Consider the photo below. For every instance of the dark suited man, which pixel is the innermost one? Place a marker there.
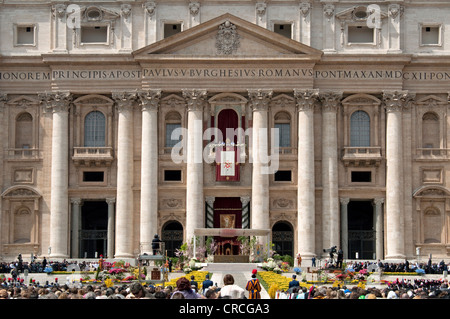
(340, 258)
(294, 282)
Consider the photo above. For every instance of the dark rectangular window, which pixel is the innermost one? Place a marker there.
(283, 29)
(283, 176)
(94, 34)
(361, 177)
(171, 29)
(93, 176)
(172, 175)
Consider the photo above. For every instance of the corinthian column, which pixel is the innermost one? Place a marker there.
(330, 200)
(259, 101)
(195, 100)
(149, 168)
(306, 100)
(395, 102)
(124, 199)
(58, 103)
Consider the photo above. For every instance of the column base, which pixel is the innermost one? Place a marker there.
(395, 258)
(124, 256)
(58, 256)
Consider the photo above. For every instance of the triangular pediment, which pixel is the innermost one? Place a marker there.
(226, 37)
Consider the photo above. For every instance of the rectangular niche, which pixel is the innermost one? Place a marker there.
(432, 176)
(23, 176)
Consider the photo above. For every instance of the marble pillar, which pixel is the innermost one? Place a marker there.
(76, 217)
(259, 101)
(379, 238)
(125, 164)
(395, 102)
(149, 168)
(344, 226)
(330, 200)
(306, 224)
(111, 230)
(59, 103)
(195, 212)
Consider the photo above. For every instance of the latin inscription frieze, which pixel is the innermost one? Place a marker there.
(223, 73)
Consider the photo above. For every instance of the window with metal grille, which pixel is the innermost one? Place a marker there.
(170, 127)
(359, 129)
(284, 131)
(94, 129)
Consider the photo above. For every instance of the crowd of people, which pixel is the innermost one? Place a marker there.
(429, 267)
(184, 289)
(43, 265)
(417, 288)
(399, 289)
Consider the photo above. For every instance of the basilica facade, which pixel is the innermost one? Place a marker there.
(308, 123)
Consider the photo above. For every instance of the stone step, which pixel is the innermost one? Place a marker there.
(231, 267)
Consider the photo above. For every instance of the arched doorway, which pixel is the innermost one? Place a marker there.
(172, 236)
(283, 238)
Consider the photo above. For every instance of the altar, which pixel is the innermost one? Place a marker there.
(228, 247)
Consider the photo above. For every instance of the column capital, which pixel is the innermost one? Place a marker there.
(328, 10)
(395, 10)
(397, 100)
(76, 201)
(378, 201)
(259, 99)
(305, 8)
(245, 200)
(110, 201)
(58, 101)
(210, 200)
(149, 7)
(344, 200)
(124, 99)
(149, 99)
(306, 98)
(330, 100)
(195, 99)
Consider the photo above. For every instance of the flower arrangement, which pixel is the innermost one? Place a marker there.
(297, 270)
(285, 266)
(191, 266)
(199, 277)
(420, 271)
(269, 265)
